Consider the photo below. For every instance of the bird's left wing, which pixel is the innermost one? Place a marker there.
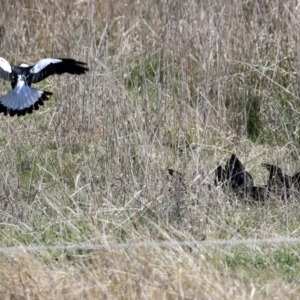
(5, 70)
(51, 66)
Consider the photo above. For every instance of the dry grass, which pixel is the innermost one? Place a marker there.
(171, 85)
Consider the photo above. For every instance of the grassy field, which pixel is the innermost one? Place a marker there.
(172, 84)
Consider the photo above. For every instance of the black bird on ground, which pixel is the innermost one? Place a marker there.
(277, 177)
(23, 99)
(239, 180)
(280, 182)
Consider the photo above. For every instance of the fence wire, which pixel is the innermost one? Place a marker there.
(149, 244)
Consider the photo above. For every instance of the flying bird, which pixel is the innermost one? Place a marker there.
(23, 99)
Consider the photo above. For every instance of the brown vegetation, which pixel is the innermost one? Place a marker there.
(172, 85)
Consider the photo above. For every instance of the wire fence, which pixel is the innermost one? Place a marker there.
(169, 244)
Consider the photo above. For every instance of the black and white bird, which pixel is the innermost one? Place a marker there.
(23, 99)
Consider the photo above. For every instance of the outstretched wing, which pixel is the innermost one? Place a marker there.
(5, 70)
(51, 66)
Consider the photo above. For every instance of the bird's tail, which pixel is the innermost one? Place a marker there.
(22, 100)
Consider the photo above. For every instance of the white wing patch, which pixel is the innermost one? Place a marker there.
(21, 97)
(5, 65)
(40, 65)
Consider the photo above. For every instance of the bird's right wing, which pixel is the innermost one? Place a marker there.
(5, 70)
(51, 66)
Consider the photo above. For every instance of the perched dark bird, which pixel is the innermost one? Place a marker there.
(22, 98)
(276, 176)
(237, 175)
(278, 181)
(239, 180)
